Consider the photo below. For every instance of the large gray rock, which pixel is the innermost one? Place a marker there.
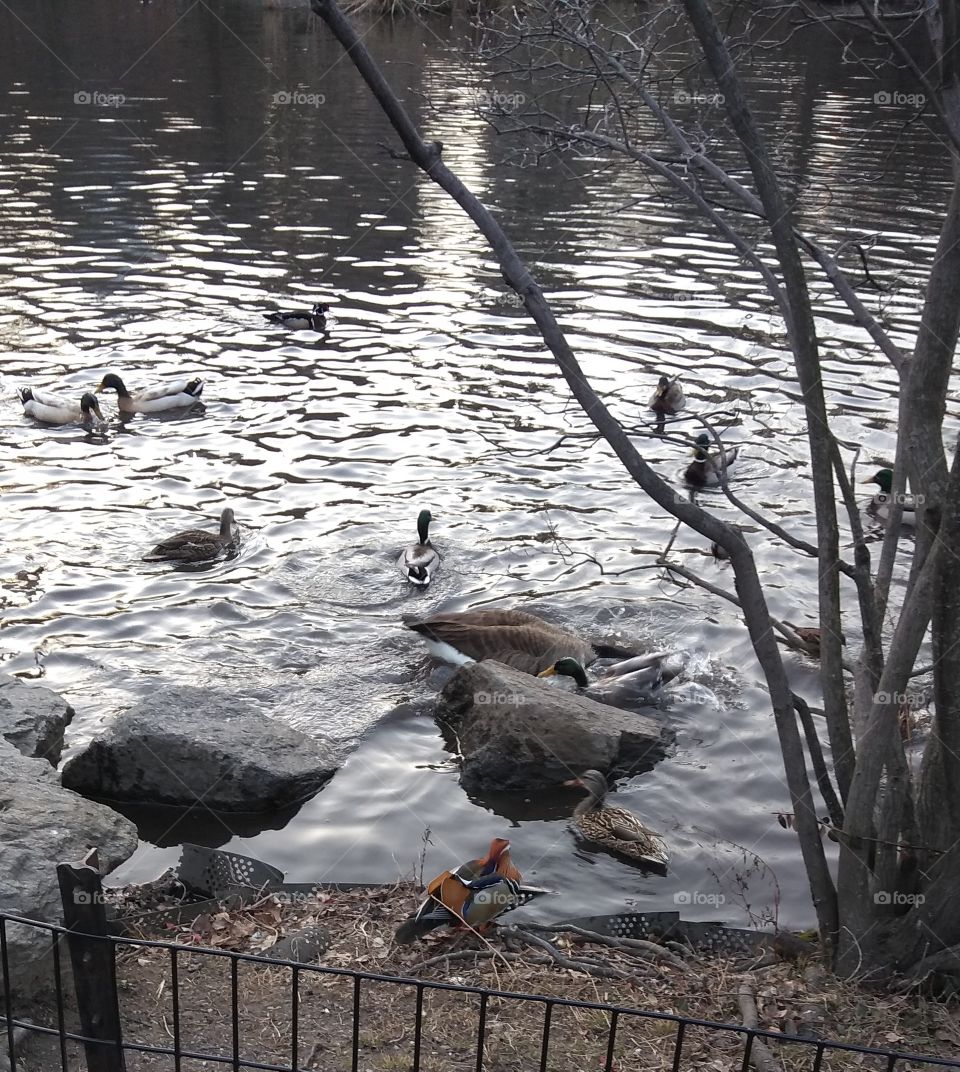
(41, 825)
(33, 718)
(191, 746)
(517, 732)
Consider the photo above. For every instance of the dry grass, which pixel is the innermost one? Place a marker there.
(362, 924)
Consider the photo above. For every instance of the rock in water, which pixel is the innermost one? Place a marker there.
(517, 732)
(33, 718)
(190, 744)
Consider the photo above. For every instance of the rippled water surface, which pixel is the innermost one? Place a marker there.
(147, 236)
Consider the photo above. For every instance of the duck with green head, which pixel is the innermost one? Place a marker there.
(419, 561)
(174, 394)
(623, 684)
(51, 408)
(707, 469)
(883, 501)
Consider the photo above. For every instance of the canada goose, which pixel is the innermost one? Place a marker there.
(514, 637)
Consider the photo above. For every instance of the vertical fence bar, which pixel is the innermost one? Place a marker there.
(611, 1041)
(58, 988)
(7, 987)
(294, 1018)
(747, 1050)
(93, 957)
(481, 1030)
(545, 1045)
(818, 1060)
(891, 1063)
(418, 1029)
(355, 1063)
(678, 1046)
(235, 1006)
(175, 987)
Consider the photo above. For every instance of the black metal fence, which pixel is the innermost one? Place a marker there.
(203, 1012)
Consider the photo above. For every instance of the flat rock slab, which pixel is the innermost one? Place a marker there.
(41, 825)
(33, 718)
(189, 746)
(516, 732)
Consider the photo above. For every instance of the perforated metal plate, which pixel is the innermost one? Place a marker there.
(215, 873)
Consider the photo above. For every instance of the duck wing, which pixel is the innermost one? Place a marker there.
(192, 544)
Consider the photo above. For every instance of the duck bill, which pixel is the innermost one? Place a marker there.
(551, 671)
(96, 409)
(99, 389)
(574, 783)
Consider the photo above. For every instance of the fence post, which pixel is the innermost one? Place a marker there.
(94, 966)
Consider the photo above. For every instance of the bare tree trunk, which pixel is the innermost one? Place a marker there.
(803, 341)
(428, 157)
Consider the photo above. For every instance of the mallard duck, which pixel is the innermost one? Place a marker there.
(56, 409)
(668, 398)
(197, 545)
(615, 829)
(520, 640)
(477, 892)
(176, 394)
(418, 561)
(883, 501)
(623, 684)
(707, 468)
(300, 319)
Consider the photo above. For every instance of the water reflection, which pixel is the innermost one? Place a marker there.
(149, 236)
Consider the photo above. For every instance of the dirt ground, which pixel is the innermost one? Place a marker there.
(317, 1011)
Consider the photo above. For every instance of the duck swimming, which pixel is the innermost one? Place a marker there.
(668, 398)
(175, 394)
(706, 468)
(624, 684)
(300, 319)
(513, 637)
(51, 408)
(197, 545)
(883, 501)
(615, 829)
(419, 561)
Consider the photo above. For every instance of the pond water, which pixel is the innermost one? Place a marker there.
(159, 196)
